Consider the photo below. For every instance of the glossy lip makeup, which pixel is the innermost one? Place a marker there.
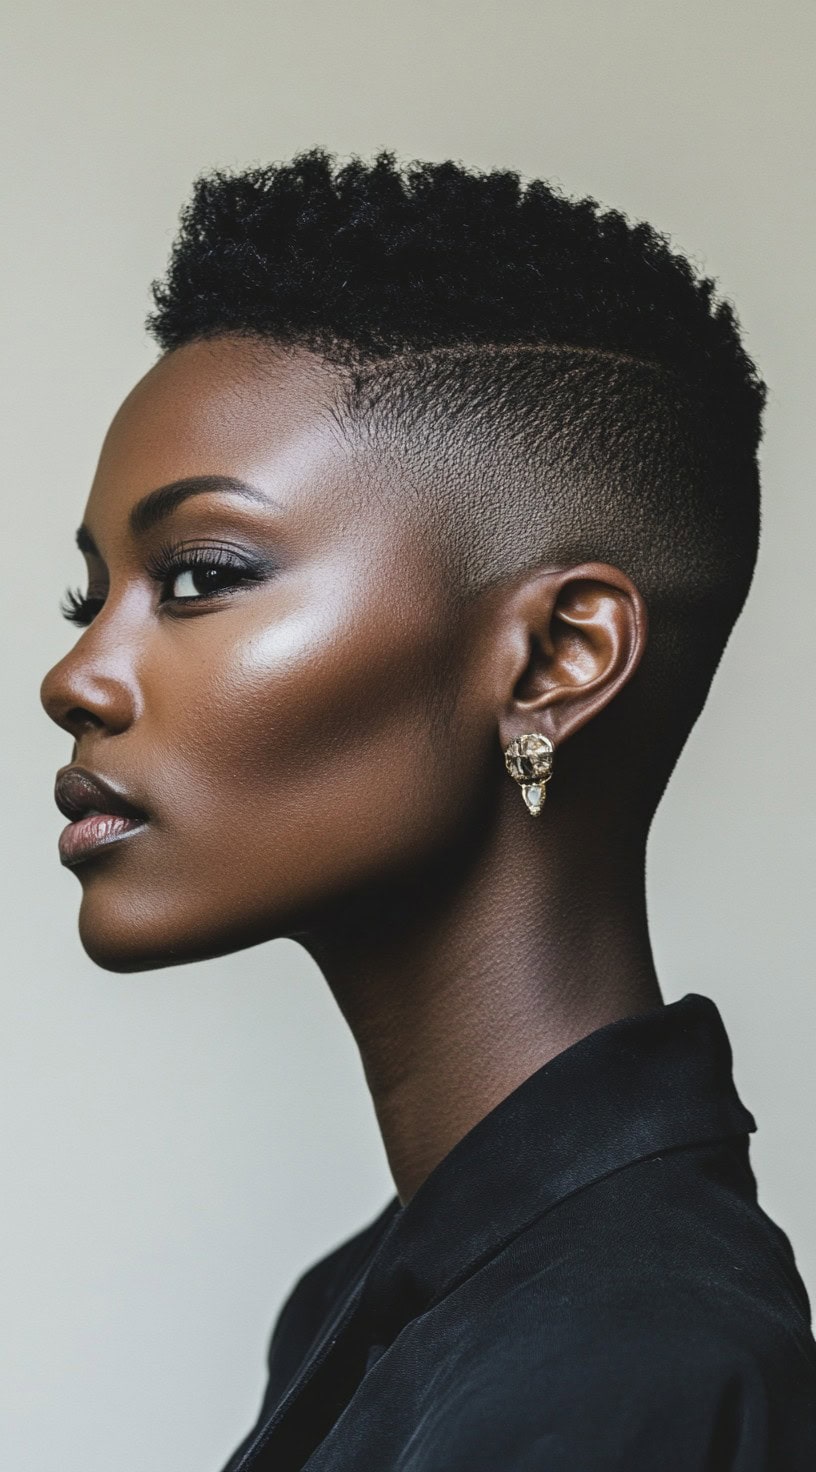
(93, 832)
(100, 815)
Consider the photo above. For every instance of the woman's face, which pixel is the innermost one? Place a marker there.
(283, 734)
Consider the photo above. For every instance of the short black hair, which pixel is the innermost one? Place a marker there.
(560, 380)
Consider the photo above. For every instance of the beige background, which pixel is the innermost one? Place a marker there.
(177, 1146)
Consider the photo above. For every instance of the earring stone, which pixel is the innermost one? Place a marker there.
(529, 760)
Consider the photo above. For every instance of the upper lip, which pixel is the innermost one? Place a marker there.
(78, 791)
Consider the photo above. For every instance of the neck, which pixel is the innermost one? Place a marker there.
(454, 1001)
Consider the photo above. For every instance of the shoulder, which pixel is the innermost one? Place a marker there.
(684, 1396)
(608, 1339)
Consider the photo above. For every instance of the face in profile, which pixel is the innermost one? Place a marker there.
(265, 671)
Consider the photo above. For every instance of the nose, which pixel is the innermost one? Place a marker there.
(84, 692)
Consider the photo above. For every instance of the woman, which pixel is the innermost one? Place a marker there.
(410, 563)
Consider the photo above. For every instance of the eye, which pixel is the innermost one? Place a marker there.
(185, 575)
(202, 579)
(195, 574)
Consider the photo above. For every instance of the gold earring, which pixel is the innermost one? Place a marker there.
(529, 760)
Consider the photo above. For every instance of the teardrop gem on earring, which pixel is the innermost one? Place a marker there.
(534, 797)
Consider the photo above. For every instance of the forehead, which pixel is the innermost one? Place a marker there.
(224, 406)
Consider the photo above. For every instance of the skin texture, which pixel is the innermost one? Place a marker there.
(320, 753)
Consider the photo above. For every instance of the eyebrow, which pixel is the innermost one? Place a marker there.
(161, 503)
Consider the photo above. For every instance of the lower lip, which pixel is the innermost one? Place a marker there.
(87, 836)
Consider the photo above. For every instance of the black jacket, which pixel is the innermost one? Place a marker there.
(585, 1282)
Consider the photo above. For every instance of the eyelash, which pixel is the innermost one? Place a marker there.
(164, 566)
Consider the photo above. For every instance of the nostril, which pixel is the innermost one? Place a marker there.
(59, 702)
(81, 696)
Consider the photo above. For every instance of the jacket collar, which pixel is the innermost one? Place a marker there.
(638, 1086)
(644, 1084)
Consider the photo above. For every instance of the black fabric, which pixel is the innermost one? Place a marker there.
(585, 1282)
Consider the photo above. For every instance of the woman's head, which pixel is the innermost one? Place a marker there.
(421, 451)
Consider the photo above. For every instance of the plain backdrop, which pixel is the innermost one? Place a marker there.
(178, 1146)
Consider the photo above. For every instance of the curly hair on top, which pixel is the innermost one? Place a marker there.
(534, 378)
(377, 259)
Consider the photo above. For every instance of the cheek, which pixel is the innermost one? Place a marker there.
(301, 754)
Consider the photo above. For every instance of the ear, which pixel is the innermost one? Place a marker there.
(574, 637)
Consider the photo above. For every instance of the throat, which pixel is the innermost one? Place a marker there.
(453, 1014)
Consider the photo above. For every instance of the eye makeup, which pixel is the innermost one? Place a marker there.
(217, 568)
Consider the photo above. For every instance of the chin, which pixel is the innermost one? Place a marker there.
(129, 948)
(125, 930)
(121, 934)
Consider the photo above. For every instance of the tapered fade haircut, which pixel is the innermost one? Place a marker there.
(539, 380)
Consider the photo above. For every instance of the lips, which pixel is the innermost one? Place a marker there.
(78, 793)
(100, 816)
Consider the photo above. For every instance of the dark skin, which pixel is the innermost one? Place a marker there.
(320, 750)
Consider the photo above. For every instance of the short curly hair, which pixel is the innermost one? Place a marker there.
(553, 381)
